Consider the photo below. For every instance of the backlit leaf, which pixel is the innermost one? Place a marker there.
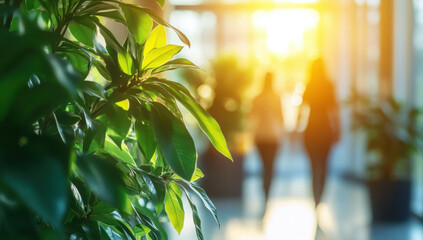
(159, 56)
(174, 207)
(122, 154)
(156, 39)
(84, 31)
(206, 122)
(123, 104)
(139, 23)
(125, 63)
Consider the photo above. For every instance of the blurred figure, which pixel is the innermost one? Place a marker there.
(266, 119)
(323, 125)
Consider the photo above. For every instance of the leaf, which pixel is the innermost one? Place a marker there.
(156, 39)
(115, 15)
(94, 7)
(117, 121)
(160, 21)
(159, 56)
(175, 64)
(145, 138)
(139, 23)
(195, 217)
(206, 200)
(84, 31)
(174, 207)
(123, 104)
(174, 141)
(77, 199)
(160, 188)
(198, 174)
(122, 154)
(108, 36)
(153, 220)
(94, 89)
(206, 122)
(94, 137)
(103, 178)
(36, 172)
(59, 129)
(125, 63)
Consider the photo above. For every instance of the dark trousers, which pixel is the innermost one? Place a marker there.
(318, 153)
(267, 152)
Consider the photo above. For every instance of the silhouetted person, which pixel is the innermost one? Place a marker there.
(323, 125)
(266, 116)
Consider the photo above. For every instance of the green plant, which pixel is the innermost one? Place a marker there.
(230, 82)
(93, 142)
(392, 135)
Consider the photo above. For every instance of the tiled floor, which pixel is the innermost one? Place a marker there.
(343, 215)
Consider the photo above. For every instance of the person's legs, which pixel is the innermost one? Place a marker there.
(267, 152)
(318, 159)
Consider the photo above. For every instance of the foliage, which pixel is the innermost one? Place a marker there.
(93, 141)
(230, 83)
(392, 135)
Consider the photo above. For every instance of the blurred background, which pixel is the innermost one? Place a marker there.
(373, 54)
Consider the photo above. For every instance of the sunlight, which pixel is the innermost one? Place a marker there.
(286, 29)
(290, 219)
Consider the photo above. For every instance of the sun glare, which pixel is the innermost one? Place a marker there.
(290, 219)
(286, 30)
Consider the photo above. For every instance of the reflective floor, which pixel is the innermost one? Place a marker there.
(344, 213)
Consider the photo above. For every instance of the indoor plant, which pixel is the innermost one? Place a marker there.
(93, 142)
(391, 136)
(230, 81)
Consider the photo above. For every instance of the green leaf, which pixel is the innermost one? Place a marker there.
(160, 188)
(174, 141)
(198, 174)
(156, 39)
(206, 200)
(115, 15)
(108, 36)
(94, 137)
(126, 63)
(37, 172)
(160, 21)
(59, 129)
(123, 104)
(174, 207)
(152, 221)
(206, 122)
(94, 89)
(84, 31)
(117, 121)
(122, 154)
(175, 64)
(104, 179)
(78, 202)
(159, 56)
(195, 217)
(139, 23)
(145, 138)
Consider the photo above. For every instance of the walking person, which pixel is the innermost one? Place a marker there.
(266, 118)
(323, 128)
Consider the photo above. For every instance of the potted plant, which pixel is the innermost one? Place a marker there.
(391, 135)
(93, 142)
